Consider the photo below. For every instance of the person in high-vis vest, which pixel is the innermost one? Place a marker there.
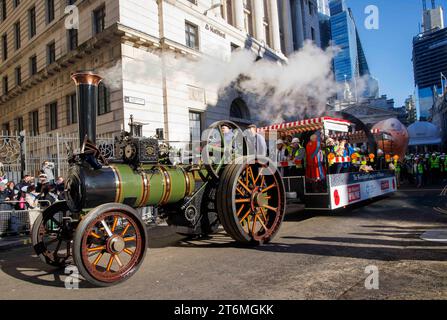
(420, 170)
(435, 168)
(298, 156)
(397, 170)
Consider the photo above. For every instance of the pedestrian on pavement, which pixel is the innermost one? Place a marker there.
(47, 168)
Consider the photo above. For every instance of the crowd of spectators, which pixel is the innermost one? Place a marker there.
(31, 192)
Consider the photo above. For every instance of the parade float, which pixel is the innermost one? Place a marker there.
(323, 185)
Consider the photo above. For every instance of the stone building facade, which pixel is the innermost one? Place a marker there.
(131, 43)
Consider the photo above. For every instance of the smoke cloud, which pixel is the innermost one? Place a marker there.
(299, 88)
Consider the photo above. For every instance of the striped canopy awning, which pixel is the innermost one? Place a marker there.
(304, 125)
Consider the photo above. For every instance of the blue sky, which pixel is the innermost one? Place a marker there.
(389, 49)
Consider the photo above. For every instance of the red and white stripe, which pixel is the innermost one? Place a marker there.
(303, 125)
(342, 159)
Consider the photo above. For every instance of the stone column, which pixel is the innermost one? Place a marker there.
(287, 26)
(274, 25)
(258, 13)
(238, 13)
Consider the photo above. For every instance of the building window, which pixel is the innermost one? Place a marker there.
(16, 3)
(51, 52)
(18, 124)
(227, 11)
(33, 65)
(50, 10)
(5, 128)
(72, 109)
(32, 22)
(312, 32)
(99, 20)
(192, 35)
(5, 46)
(72, 39)
(17, 37)
(5, 85)
(52, 116)
(3, 10)
(248, 17)
(34, 122)
(18, 74)
(103, 99)
(138, 130)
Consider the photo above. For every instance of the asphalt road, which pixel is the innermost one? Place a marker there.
(313, 257)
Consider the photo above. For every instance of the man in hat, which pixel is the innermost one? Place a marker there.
(256, 142)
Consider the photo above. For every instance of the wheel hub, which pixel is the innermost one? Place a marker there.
(258, 199)
(116, 245)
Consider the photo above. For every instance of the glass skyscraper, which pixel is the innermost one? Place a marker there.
(429, 63)
(350, 64)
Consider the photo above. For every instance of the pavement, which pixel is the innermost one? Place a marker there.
(371, 251)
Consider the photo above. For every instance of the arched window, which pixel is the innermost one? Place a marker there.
(239, 109)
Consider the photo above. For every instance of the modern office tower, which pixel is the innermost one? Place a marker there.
(350, 65)
(430, 61)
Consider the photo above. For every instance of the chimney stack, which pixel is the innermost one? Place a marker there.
(87, 84)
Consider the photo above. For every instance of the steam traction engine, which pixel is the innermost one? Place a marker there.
(97, 226)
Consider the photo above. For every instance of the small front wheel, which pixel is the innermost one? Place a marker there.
(110, 244)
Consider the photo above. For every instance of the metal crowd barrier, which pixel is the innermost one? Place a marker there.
(15, 222)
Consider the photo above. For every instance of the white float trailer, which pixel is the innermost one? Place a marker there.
(339, 190)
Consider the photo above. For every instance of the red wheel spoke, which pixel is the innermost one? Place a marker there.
(95, 263)
(254, 225)
(246, 215)
(240, 210)
(262, 223)
(94, 249)
(95, 235)
(268, 188)
(240, 192)
(128, 239)
(244, 186)
(125, 229)
(128, 251)
(109, 265)
(243, 201)
(119, 261)
(271, 208)
(115, 222)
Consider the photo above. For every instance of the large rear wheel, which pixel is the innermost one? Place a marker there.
(110, 244)
(251, 201)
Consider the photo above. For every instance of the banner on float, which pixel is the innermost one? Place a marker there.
(350, 188)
